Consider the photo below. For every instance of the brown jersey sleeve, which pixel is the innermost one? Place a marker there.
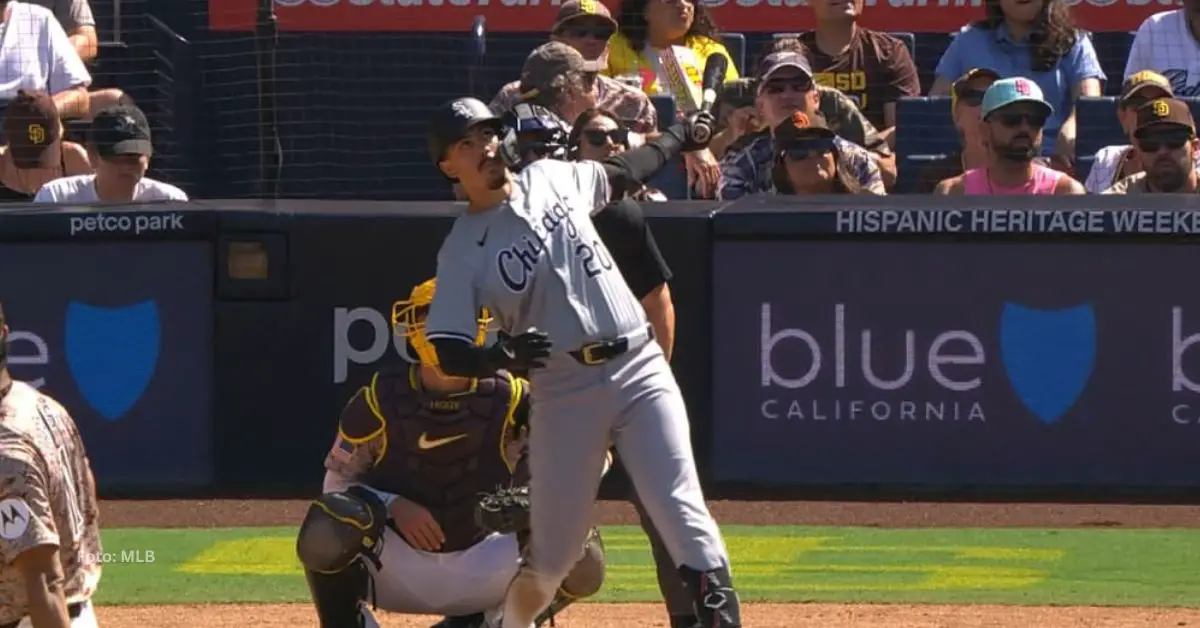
(26, 514)
(361, 440)
(899, 71)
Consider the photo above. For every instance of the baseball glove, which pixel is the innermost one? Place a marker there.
(504, 510)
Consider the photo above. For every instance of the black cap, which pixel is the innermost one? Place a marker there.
(451, 122)
(121, 130)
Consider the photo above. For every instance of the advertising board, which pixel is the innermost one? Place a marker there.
(737, 16)
(971, 363)
(121, 334)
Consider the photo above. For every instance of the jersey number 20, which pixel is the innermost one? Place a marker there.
(595, 258)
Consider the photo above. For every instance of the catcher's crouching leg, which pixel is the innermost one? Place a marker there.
(338, 533)
(584, 580)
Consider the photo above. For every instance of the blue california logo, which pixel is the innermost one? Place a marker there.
(1048, 356)
(112, 353)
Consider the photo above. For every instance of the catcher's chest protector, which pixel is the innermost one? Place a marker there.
(443, 452)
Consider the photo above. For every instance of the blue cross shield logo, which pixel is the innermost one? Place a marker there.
(1048, 356)
(112, 354)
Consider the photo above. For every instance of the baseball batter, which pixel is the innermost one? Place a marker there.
(526, 249)
(414, 451)
(49, 520)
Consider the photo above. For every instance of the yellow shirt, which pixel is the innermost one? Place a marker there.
(624, 61)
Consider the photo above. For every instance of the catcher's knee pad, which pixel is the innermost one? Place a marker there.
(339, 596)
(716, 602)
(340, 529)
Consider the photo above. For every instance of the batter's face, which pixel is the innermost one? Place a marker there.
(475, 160)
(786, 91)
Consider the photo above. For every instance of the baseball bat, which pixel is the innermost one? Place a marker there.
(714, 76)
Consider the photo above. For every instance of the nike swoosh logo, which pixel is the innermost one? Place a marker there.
(425, 443)
(483, 240)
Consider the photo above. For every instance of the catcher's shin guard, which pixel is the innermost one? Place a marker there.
(338, 596)
(584, 580)
(716, 601)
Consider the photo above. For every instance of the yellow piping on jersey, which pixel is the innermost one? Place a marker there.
(414, 381)
(372, 399)
(510, 418)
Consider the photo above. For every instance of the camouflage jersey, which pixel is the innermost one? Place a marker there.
(630, 105)
(47, 497)
(746, 164)
(438, 451)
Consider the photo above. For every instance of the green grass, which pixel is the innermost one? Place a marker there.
(957, 566)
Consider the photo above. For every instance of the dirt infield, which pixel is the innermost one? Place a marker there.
(210, 513)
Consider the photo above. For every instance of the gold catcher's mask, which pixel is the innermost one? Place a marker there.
(408, 320)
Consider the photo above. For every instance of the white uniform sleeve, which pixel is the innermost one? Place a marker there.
(454, 312)
(593, 184)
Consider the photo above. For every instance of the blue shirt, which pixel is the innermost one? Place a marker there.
(996, 50)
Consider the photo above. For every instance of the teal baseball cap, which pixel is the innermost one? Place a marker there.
(1005, 92)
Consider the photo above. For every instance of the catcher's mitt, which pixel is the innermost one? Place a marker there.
(505, 510)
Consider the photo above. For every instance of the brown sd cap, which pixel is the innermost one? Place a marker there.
(33, 131)
(1141, 80)
(581, 9)
(1164, 112)
(548, 62)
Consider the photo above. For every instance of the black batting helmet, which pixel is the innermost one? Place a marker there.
(451, 122)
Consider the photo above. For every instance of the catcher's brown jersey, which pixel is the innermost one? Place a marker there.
(47, 497)
(438, 451)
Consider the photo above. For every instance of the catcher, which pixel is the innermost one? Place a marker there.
(425, 504)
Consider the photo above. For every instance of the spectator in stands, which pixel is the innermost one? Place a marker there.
(35, 54)
(75, 16)
(1035, 39)
(1165, 137)
(1014, 113)
(784, 85)
(35, 152)
(120, 146)
(586, 26)
(1113, 163)
(558, 78)
(872, 68)
(811, 159)
(966, 95)
(664, 44)
(597, 135)
(1169, 43)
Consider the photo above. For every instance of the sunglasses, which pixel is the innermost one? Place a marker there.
(598, 137)
(781, 86)
(799, 151)
(1013, 120)
(1154, 143)
(601, 32)
(971, 98)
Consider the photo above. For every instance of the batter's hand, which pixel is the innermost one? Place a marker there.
(416, 525)
(524, 351)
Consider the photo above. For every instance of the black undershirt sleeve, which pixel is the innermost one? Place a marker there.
(623, 228)
(633, 168)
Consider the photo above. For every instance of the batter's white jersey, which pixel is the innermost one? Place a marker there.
(536, 261)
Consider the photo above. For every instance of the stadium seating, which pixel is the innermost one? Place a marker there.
(1113, 50)
(1096, 125)
(930, 138)
(672, 180)
(735, 43)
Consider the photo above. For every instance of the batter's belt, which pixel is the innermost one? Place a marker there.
(73, 611)
(597, 353)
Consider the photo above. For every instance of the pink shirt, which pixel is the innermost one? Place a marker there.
(977, 182)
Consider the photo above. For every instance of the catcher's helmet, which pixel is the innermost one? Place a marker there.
(408, 320)
(533, 132)
(451, 122)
